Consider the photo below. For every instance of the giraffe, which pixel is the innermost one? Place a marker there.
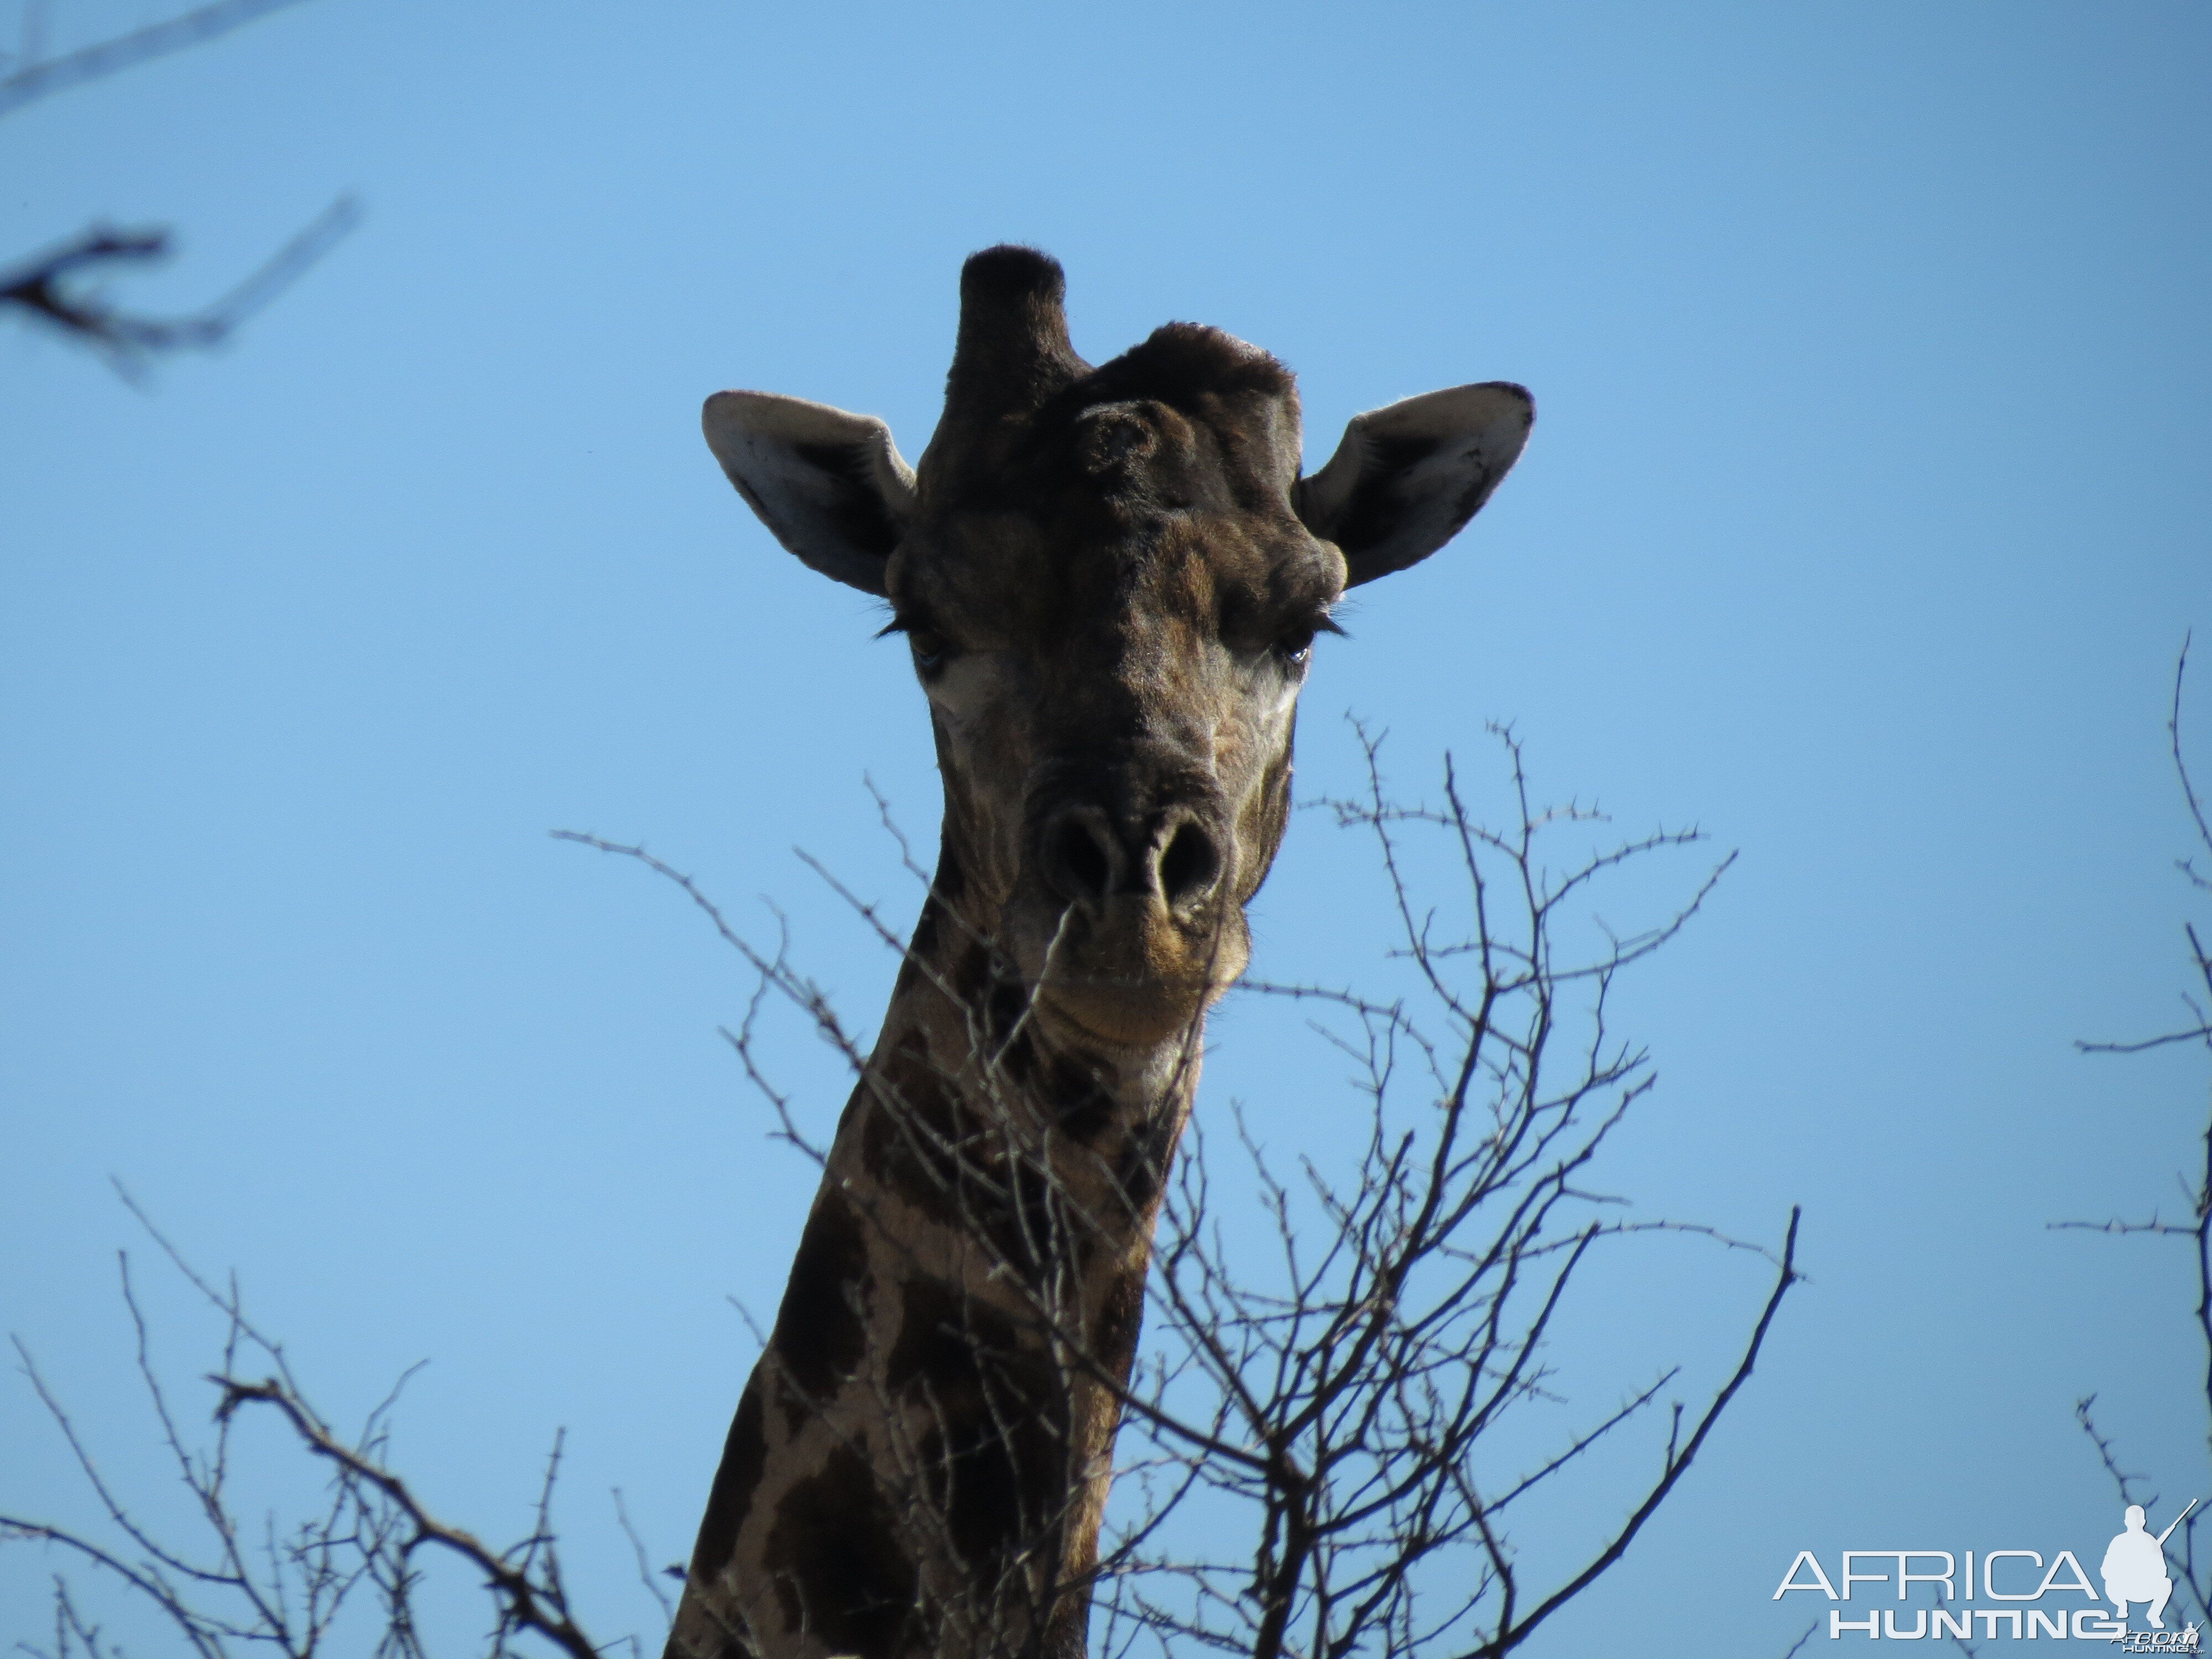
(1110, 581)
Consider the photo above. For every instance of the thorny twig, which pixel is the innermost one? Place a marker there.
(2201, 1011)
(1344, 1400)
(1406, 1313)
(2196, 1578)
(284, 1590)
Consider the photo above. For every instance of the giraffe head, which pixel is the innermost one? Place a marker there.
(1110, 579)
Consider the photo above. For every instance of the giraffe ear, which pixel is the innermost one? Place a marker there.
(831, 487)
(1407, 477)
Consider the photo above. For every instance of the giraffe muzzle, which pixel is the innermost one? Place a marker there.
(1140, 930)
(1088, 860)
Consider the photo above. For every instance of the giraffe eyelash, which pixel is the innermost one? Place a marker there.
(1307, 629)
(931, 648)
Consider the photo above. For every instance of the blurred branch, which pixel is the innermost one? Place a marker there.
(51, 287)
(36, 76)
(46, 287)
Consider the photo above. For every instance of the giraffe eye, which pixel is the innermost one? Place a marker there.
(930, 652)
(1295, 648)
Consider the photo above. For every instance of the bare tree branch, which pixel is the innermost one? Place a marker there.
(2202, 1030)
(53, 288)
(2195, 1576)
(35, 76)
(47, 287)
(1675, 1464)
(1361, 1377)
(285, 1588)
(1311, 1458)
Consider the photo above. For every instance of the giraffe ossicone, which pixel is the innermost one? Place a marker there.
(1111, 579)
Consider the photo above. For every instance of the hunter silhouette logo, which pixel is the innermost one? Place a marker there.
(2135, 1566)
(2018, 1582)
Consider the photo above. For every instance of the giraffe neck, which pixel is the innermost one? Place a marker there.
(919, 1460)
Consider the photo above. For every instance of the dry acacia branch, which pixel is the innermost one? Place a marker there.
(1405, 1316)
(1677, 1463)
(1343, 1403)
(2202, 1030)
(2196, 1578)
(532, 1603)
(262, 1587)
(1339, 1402)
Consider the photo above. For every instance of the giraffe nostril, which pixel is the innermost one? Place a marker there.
(1189, 865)
(1077, 861)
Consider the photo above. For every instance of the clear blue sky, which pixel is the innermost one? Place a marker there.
(1865, 514)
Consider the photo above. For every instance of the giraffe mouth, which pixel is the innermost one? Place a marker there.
(1132, 973)
(1103, 1013)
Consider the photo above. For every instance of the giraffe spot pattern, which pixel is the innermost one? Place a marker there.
(1139, 1172)
(995, 1455)
(922, 1142)
(743, 1456)
(915, 1127)
(836, 1561)
(819, 1339)
(1081, 1105)
(1120, 1317)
